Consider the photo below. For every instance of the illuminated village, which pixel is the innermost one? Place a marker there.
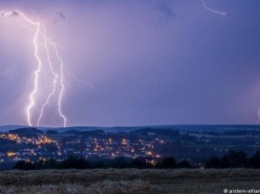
(40, 146)
(31, 144)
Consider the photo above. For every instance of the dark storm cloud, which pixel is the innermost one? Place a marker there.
(61, 16)
(166, 10)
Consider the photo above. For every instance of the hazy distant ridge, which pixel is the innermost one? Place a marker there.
(211, 128)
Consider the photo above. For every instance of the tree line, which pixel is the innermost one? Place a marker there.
(233, 159)
(73, 162)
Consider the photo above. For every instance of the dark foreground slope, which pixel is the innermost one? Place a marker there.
(129, 181)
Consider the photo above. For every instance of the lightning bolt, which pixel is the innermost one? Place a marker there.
(58, 86)
(55, 77)
(61, 84)
(212, 10)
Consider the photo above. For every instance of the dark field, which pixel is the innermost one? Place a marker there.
(128, 181)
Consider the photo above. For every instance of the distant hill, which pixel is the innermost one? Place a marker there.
(77, 128)
(52, 132)
(128, 129)
(7, 128)
(28, 130)
(85, 133)
(151, 131)
(242, 133)
(217, 128)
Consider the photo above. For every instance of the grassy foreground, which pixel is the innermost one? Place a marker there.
(130, 181)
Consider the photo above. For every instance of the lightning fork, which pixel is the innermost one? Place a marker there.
(55, 76)
(58, 77)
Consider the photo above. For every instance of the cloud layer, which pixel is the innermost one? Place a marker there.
(150, 62)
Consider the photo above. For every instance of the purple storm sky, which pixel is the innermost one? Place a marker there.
(151, 62)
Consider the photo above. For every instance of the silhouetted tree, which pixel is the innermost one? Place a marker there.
(98, 164)
(234, 159)
(120, 162)
(254, 161)
(74, 162)
(168, 162)
(214, 162)
(39, 164)
(138, 163)
(184, 164)
(22, 165)
(52, 164)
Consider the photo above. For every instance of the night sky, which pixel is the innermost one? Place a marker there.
(147, 62)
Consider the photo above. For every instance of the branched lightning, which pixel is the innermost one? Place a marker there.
(61, 81)
(82, 82)
(55, 77)
(54, 64)
(212, 10)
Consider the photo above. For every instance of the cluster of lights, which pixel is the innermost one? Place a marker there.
(38, 141)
